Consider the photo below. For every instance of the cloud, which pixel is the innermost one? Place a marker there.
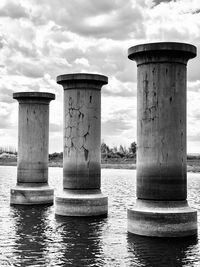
(91, 18)
(194, 138)
(6, 95)
(26, 50)
(157, 2)
(192, 69)
(59, 34)
(115, 127)
(107, 25)
(107, 58)
(117, 88)
(13, 10)
(2, 42)
(82, 61)
(55, 127)
(28, 69)
(166, 22)
(5, 115)
(4, 122)
(193, 86)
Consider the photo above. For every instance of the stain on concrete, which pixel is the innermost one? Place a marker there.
(78, 125)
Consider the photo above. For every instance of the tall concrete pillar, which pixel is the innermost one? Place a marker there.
(161, 207)
(33, 149)
(81, 195)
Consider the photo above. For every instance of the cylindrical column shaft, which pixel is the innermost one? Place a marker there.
(33, 141)
(161, 125)
(82, 115)
(33, 147)
(82, 129)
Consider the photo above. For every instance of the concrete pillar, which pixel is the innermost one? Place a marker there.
(161, 207)
(81, 195)
(33, 149)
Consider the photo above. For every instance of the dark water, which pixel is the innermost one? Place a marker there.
(33, 236)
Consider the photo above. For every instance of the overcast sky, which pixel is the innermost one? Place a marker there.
(41, 39)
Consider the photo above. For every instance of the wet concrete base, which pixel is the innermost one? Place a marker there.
(162, 219)
(31, 194)
(81, 203)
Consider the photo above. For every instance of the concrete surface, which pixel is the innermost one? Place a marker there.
(81, 203)
(32, 194)
(82, 136)
(161, 127)
(162, 219)
(33, 145)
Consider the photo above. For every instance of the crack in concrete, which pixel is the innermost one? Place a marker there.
(75, 136)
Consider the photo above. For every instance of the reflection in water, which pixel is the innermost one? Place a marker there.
(81, 239)
(41, 240)
(30, 239)
(151, 251)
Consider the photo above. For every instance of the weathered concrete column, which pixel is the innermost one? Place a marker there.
(161, 207)
(81, 195)
(33, 149)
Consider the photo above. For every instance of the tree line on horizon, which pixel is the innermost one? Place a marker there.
(106, 152)
(118, 152)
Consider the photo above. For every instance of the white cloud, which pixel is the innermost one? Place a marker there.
(82, 61)
(117, 88)
(13, 10)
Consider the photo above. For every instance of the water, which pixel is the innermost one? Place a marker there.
(33, 236)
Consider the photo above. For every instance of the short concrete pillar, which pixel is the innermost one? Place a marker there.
(33, 150)
(81, 195)
(161, 207)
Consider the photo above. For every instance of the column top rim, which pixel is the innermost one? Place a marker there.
(32, 95)
(190, 51)
(82, 76)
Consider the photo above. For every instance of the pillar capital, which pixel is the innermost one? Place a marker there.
(34, 97)
(82, 81)
(162, 52)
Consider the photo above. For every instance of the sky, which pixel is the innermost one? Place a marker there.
(41, 39)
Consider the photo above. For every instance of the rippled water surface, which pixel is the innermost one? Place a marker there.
(33, 236)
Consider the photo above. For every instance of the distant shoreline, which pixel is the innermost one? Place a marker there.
(194, 167)
(103, 165)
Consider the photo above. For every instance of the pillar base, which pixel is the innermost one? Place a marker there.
(31, 194)
(81, 203)
(162, 219)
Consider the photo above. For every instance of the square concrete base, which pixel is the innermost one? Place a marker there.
(81, 203)
(31, 194)
(162, 219)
